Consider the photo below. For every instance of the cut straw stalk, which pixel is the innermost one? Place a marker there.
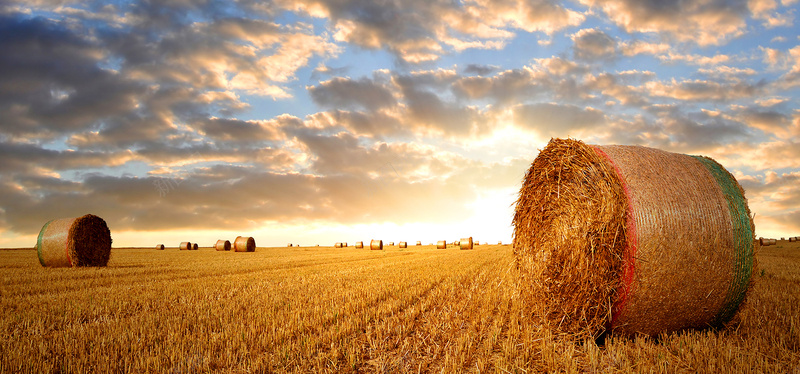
(244, 244)
(223, 245)
(605, 237)
(81, 241)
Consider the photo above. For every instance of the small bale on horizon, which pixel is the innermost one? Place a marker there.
(244, 244)
(441, 244)
(185, 246)
(222, 245)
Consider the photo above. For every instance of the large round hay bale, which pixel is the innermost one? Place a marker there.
(773, 241)
(160, 247)
(391, 244)
(792, 239)
(81, 241)
(403, 245)
(337, 245)
(359, 244)
(186, 246)
(244, 244)
(194, 246)
(441, 244)
(764, 241)
(376, 245)
(223, 245)
(419, 242)
(465, 243)
(631, 240)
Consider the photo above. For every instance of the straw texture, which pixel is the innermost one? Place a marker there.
(376, 245)
(81, 241)
(244, 244)
(441, 244)
(222, 245)
(465, 243)
(632, 239)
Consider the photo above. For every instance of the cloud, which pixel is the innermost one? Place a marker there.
(554, 120)
(347, 93)
(421, 31)
(593, 44)
(703, 22)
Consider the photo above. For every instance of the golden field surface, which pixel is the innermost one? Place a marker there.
(324, 309)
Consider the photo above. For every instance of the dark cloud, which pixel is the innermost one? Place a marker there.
(593, 45)
(343, 93)
(479, 69)
(555, 120)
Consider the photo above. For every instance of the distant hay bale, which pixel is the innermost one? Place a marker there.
(344, 244)
(457, 243)
(391, 244)
(773, 241)
(337, 245)
(194, 246)
(792, 239)
(441, 244)
(289, 245)
(403, 245)
(186, 246)
(359, 244)
(419, 242)
(160, 247)
(244, 244)
(606, 239)
(764, 242)
(376, 245)
(500, 243)
(68, 242)
(223, 245)
(465, 243)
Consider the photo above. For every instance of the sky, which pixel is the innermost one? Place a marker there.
(321, 121)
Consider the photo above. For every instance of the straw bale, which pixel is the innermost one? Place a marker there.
(391, 244)
(194, 246)
(80, 241)
(337, 245)
(441, 244)
(376, 245)
(605, 239)
(185, 246)
(403, 245)
(160, 247)
(359, 244)
(244, 244)
(222, 245)
(792, 239)
(419, 242)
(773, 241)
(465, 243)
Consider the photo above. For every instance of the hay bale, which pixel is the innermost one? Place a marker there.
(391, 244)
(80, 241)
(344, 244)
(160, 247)
(337, 245)
(223, 245)
(194, 246)
(419, 242)
(792, 239)
(465, 243)
(359, 244)
(403, 245)
(186, 246)
(376, 245)
(773, 241)
(441, 244)
(606, 239)
(244, 244)
(500, 243)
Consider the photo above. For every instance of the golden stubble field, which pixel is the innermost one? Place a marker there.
(323, 309)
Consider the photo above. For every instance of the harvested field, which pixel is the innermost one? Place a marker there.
(349, 310)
